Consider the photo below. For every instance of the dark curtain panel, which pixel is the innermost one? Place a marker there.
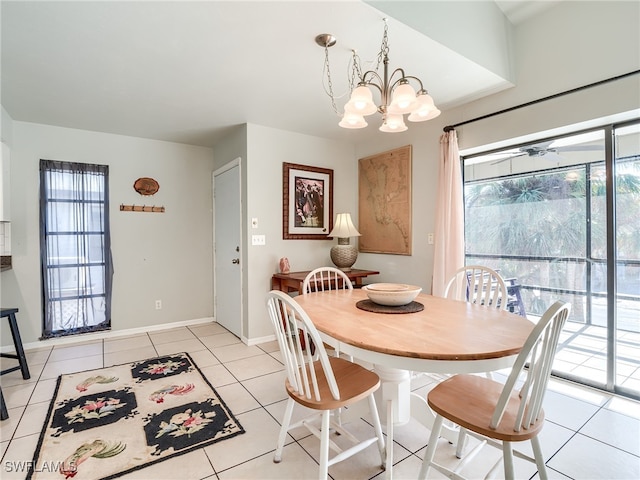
(75, 247)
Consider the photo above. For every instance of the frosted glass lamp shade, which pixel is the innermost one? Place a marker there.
(404, 99)
(361, 101)
(426, 110)
(393, 123)
(352, 120)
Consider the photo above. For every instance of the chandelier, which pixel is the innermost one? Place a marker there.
(397, 96)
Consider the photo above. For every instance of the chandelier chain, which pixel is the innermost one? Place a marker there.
(329, 82)
(384, 46)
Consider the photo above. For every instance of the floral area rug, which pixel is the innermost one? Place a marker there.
(106, 422)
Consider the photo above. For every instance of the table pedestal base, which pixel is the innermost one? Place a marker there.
(398, 405)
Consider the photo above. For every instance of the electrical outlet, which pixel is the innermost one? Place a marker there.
(430, 239)
(158, 304)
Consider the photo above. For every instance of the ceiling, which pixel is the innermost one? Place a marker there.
(189, 72)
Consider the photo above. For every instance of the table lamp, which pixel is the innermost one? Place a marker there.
(343, 255)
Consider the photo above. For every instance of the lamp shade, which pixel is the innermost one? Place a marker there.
(361, 101)
(352, 120)
(404, 99)
(393, 123)
(426, 109)
(344, 228)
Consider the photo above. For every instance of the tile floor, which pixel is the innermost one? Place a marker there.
(588, 435)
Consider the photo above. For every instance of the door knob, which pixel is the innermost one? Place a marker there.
(235, 261)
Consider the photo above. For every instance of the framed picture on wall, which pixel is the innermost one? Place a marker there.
(307, 202)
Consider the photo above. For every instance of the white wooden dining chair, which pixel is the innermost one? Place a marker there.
(323, 279)
(498, 414)
(478, 284)
(326, 278)
(321, 383)
(481, 285)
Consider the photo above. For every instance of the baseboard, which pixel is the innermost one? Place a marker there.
(88, 337)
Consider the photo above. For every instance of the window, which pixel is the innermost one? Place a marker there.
(75, 247)
(561, 219)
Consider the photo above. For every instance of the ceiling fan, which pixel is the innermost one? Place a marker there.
(546, 150)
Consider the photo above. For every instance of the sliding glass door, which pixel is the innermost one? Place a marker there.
(560, 219)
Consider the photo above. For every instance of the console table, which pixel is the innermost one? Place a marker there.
(292, 282)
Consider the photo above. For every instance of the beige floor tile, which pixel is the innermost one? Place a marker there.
(127, 343)
(191, 465)
(40, 355)
(76, 351)
(295, 465)
(261, 433)
(54, 369)
(44, 391)
(252, 367)
(128, 356)
(15, 377)
(171, 335)
(237, 351)
(269, 388)
(237, 398)
(584, 457)
(179, 346)
(270, 347)
(17, 457)
(218, 375)
(205, 329)
(8, 427)
(33, 419)
(615, 429)
(212, 342)
(204, 358)
(18, 395)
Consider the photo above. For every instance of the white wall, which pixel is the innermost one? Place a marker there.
(165, 256)
(267, 149)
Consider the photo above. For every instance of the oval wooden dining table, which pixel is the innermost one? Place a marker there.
(447, 336)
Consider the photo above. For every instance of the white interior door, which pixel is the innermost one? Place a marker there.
(227, 281)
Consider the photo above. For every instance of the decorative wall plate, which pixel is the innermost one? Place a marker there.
(146, 186)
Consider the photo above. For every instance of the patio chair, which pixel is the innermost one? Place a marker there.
(321, 383)
(499, 414)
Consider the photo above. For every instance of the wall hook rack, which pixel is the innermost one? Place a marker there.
(141, 208)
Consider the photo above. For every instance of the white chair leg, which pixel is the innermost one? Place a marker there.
(462, 440)
(324, 445)
(431, 447)
(389, 465)
(537, 453)
(286, 421)
(378, 429)
(507, 458)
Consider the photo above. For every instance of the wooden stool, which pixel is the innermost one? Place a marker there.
(10, 313)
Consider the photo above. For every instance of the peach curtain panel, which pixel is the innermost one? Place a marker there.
(449, 231)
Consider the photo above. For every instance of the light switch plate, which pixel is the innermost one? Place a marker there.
(258, 240)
